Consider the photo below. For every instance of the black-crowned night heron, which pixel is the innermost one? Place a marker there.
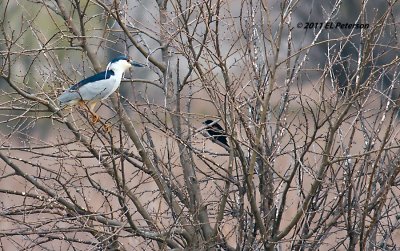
(216, 132)
(98, 87)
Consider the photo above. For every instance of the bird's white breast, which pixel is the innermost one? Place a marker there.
(100, 89)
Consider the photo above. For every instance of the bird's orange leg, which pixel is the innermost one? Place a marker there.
(82, 103)
(95, 117)
(90, 107)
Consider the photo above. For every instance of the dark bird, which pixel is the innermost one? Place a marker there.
(216, 132)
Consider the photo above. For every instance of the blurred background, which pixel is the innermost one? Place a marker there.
(310, 114)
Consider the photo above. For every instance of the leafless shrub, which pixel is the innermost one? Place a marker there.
(313, 156)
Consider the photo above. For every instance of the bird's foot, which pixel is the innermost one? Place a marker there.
(107, 127)
(95, 118)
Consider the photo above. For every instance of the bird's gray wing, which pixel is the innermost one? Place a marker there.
(69, 98)
(97, 90)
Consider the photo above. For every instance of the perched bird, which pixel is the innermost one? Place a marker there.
(216, 132)
(98, 87)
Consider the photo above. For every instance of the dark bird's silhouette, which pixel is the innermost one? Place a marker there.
(216, 132)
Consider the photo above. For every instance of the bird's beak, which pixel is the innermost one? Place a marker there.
(136, 64)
